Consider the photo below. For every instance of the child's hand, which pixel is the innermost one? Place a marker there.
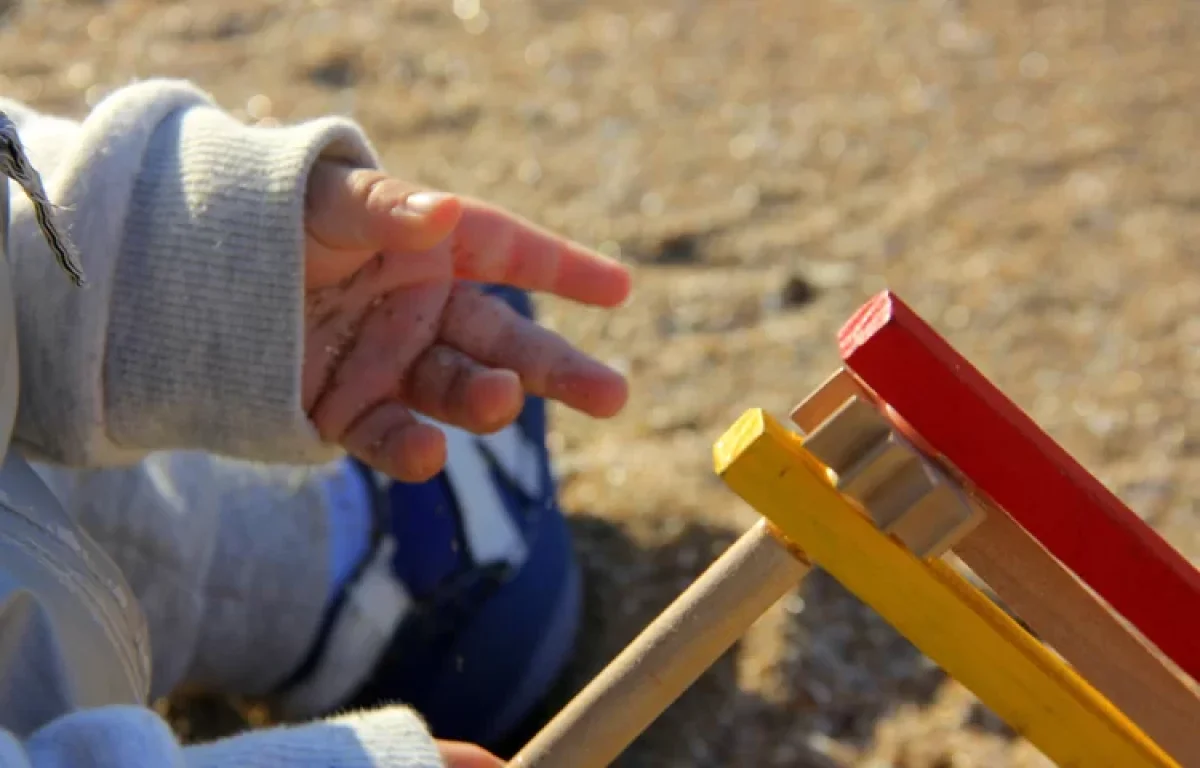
(393, 329)
(459, 755)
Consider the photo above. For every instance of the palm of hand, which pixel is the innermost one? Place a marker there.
(394, 328)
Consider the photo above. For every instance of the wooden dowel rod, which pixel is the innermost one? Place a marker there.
(669, 655)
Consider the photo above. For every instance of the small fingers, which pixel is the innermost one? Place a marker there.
(450, 387)
(460, 755)
(446, 386)
(489, 331)
(394, 332)
(391, 440)
(351, 213)
(493, 246)
(333, 315)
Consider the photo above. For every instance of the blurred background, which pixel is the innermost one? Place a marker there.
(1026, 174)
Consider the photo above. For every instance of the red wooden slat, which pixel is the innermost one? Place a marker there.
(992, 442)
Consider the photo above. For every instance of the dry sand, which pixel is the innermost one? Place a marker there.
(1025, 173)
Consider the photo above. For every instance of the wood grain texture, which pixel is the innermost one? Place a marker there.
(1047, 597)
(905, 494)
(1070, 619)
(946, 618)
(669, 655)
(1004, 454)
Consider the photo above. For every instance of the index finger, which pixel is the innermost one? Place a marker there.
(494, 246)
(489, 331)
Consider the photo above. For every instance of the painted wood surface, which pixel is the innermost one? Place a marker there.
(930, 604)
(994, 444)
(1062, 611)
(1074, 622)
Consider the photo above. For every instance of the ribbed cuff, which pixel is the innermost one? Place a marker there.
(394, 737)
(135, 737)
(206, 332)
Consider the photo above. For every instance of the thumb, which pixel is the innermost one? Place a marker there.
(352, 213)
(459, 755)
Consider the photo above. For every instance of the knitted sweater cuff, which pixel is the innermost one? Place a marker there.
(206, 330)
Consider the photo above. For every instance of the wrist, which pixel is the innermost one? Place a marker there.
(206, 334)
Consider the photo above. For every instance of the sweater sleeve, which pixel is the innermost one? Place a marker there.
(133, 737)
(189, 334)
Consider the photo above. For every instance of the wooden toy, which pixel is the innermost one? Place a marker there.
(974, 428)
(864, 492)
(718, 608)
(930, 604)
(1047, 597)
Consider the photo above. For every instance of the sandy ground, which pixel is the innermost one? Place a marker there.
(1025, 173)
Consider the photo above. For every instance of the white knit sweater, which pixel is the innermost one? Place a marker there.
(190, 335)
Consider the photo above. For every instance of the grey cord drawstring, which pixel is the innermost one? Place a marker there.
(15, 165)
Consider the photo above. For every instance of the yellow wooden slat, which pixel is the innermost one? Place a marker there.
(939, 612)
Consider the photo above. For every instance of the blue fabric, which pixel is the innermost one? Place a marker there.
(349, 500)
(429, 545)
(486, 641)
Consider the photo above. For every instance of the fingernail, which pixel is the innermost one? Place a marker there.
(421, 203)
